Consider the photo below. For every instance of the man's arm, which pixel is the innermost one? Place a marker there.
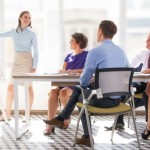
(89, 69)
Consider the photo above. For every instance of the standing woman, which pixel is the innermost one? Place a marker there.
(23, 39)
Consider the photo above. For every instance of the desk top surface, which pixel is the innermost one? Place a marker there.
(46, 75)
(67, 76)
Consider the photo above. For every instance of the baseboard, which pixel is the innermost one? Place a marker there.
(42, 112)
(140, 112)
(75, 112)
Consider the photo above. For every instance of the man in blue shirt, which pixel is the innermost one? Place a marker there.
(106, 55)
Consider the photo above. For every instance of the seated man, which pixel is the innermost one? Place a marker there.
(144, 58)
(106, 55)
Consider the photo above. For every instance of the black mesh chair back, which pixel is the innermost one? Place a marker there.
(114, 81)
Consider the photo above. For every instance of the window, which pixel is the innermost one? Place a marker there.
(55, 22)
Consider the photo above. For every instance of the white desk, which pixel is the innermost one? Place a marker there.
(140, 77)
(55, 79)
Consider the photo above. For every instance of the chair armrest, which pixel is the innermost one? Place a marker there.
(99, 93)
(85, 100)
(133, 90)
(93, 92)
(131, 99)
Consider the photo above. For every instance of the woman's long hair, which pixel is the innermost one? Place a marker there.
(19, 22)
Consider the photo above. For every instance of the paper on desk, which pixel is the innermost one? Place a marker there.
(141, 74)
(57, 74)
(137, 72)
(61, 74)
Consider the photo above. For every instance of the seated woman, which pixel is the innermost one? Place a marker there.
(146, 97)
(73, 63)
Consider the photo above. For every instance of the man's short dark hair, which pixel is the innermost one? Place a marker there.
(108, 28)
(80, 39)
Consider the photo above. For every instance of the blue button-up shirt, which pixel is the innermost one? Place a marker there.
(107, 55)
(24, 40)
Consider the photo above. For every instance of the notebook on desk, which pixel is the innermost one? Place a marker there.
(141, 74)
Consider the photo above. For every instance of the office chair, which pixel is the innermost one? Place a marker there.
(109, 82)
(138, 69)
(138, 95)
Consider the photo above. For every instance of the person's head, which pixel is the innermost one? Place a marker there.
(148, 42)
(107, 29)
(24, 20)
(78, 39)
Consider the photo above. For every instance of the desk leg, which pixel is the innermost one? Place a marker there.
(16, 109)
(27, 103)
(18, 132)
